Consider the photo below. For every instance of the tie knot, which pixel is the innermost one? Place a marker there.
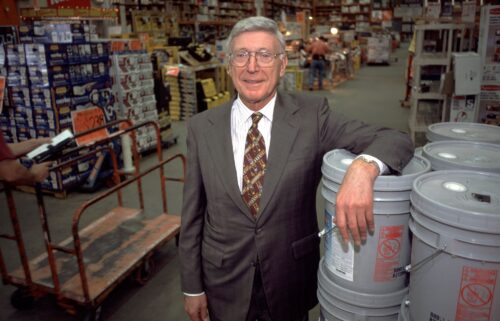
(256, 117)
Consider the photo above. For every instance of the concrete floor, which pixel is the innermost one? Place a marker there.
(373, 96)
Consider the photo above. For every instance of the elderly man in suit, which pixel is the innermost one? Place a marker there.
(248, 244)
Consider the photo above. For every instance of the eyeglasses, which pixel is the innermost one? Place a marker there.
(242, 57)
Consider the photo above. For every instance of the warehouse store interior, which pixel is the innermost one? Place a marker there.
(112, 84)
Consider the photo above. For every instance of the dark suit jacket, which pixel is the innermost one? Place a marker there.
(220, 240)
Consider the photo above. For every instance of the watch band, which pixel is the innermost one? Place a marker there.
(372, 160)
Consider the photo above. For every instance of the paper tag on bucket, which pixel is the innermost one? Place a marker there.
(388, 253)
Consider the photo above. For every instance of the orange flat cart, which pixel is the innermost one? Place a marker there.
(82, 270)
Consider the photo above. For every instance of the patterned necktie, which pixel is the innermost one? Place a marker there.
(254, 166)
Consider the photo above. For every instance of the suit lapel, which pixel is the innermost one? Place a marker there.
(283, 133)
(219, 144)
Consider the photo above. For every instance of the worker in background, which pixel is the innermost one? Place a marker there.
(318, 50)
(12, 171)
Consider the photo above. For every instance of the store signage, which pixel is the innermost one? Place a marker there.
(68, 3)
(88, 119)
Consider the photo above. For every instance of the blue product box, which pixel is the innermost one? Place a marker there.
(85, 53)
(96, 93)
(26, 33)
(42, 112)
(80, 31)
(100, 71)
(45, 123)
(59, 75)
(17, 76)
(99, 51)
(73, 54)
(40, 97)
(45, 32)
(25, 133)
(20, 96)
(15, 55)
(80, 74)
(39, 75)
(62, 96)
(35, 54)
(57, 54)
(44, 132)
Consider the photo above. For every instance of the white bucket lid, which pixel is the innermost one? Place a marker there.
(464, 131)
(464, 199)
(336, 162)
(466, 155)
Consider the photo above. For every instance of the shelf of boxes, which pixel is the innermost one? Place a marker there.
(182, 87)
(53, 73)
(133, 87)
(434, 45)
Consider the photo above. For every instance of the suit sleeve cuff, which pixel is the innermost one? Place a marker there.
(383, 169)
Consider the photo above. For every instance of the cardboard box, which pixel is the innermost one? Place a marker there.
(15, 55)
(464, 108)
(467, 73)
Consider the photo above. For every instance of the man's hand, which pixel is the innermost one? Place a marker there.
(196, 307)
(354, 208)
(40, 171)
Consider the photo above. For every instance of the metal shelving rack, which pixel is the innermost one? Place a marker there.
(451, 37)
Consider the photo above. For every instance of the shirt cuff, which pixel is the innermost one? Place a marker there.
(381, 166)
(193, 294)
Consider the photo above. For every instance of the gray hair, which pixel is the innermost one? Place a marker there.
(255, 24)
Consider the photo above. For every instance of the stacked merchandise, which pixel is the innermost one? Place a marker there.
(54, 75)
(207, 95)
(182, 83)
(489, 50)
(8, 36)
(132, 72)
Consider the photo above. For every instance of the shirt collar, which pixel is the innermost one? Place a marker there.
(245, 112)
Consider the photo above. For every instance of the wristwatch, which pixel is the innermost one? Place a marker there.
(370, 160)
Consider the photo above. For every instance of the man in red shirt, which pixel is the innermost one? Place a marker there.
(12, 171)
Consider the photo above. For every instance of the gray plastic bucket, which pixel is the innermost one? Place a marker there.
(378, 265)
(340, 304)
(455, 220)
(464, 131)
(450, 155)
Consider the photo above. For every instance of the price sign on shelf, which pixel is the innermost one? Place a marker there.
(88, 119)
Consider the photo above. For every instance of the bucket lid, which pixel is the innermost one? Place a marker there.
(464, 131)
(463, 155)
(464, 199)
(336, 162)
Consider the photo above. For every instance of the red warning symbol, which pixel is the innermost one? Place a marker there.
(388, 253)
(389, 248)
(476, 294)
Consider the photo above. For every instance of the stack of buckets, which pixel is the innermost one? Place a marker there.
(367, 282)
(455, 222)
(453, 218)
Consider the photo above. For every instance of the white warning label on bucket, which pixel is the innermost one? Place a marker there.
(388, 253)
(476, 294)
(340, 261)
